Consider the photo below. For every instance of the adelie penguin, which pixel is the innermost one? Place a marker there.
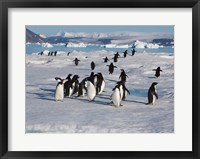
(158, 70)
(76, 61)
(106, 59)
(59, 93)
(75, 84)
(123, 90)
(99, 83)
(123, 75)
(92, 65)
(91, 90)
(152, 95)
(82, 87)
(133, 52)
(111, 68)
(116, 56)
(125, 53)
(116, 96)
(67, 86)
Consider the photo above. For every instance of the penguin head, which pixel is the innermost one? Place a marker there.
(69, 75)
(154, 83)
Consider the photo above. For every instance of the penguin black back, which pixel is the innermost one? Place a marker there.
(158, 70)
(123, 76)
(152, 93)
(111, 68)
(76, 60)
(92, 65)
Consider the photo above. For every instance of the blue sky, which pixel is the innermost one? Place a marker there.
(49, 30)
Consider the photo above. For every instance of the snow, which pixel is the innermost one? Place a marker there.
(79, 115)
(141, 45)
(70, 44)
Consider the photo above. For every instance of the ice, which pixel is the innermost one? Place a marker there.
(70, 44)
(141, 45)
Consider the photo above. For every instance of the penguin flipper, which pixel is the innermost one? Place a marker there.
(156, 95)
(58, 78)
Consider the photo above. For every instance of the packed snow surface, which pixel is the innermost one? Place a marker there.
(78, 115)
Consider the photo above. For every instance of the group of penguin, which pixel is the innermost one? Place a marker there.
(95, 84)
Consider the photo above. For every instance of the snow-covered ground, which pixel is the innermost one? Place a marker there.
(78, 115)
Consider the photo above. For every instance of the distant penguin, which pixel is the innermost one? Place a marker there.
(67, 86)
(51, 53)
(92, 65)
(41, 53)
(59, 93)
(125, 53)
(123, 75)
(100, 83)
(106, 59)
(111, 68)
(152, 95)
(158, 70)
(76, 60)
(68, 53)
(75, 84)
(91, 90)
(55, 53)
(133, 52)
(116, 97)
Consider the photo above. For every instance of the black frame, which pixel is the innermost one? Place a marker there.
(5, 4)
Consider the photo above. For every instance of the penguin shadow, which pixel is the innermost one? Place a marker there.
(44, 96)
(152, 77)
(134, 101)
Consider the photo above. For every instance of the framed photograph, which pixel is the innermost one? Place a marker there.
(99, 79)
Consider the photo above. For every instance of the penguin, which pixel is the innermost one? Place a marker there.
(125, 53)
(116, 56)
(67, 86)
(41, 53)
(92, 65)
(59, 93)
(68, 53)
(116, 97)
(111, 68)
(152, 95)
(82, 87)
(76, 60)
(133, 52)
(55, 53)
(123, 89)
(74, 84)
(106, 59)
(91, 90)
(49, 53)
(100, 83)
(123, 75)
(158, 70)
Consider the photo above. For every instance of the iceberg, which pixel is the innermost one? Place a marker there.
(46, 45)
(70, 44)
(114, 46)
(141, 45)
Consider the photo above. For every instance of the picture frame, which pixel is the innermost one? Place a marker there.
(4, 93)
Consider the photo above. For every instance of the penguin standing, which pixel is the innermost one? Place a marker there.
(100, 83)
(158, 70)
(116, 56)
(67, 86)
(152, 95)
(91, 90)
(68, 53)
(123, 76)
(59, 93)
(111, 68)
(116, 97)
(106, 59)
(76, 60)
(123, 90)
(92, 65)
(82, 87)
(125, 53)
(55, 53)
(75, 84)
(133, 52)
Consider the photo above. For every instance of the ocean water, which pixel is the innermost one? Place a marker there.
(35, 48)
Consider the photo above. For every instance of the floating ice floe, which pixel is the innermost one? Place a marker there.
(114, 46)
(46, 45)
(141, 45)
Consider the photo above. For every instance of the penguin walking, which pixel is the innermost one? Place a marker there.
(116, 56)
(116, 96)
(133, 52)
(92, 65)
(125, 53)
(76, 60)
(111, 68)
(158, 70)
(91, 90)
(51, 53)
(152, 95)
(59, 93)
(67, 86)
(106, 59)
(55, 53)
(123, 75)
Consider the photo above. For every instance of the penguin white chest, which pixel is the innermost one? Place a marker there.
(116, 97)
(59, 95)
(91, 91)
(102, 87)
